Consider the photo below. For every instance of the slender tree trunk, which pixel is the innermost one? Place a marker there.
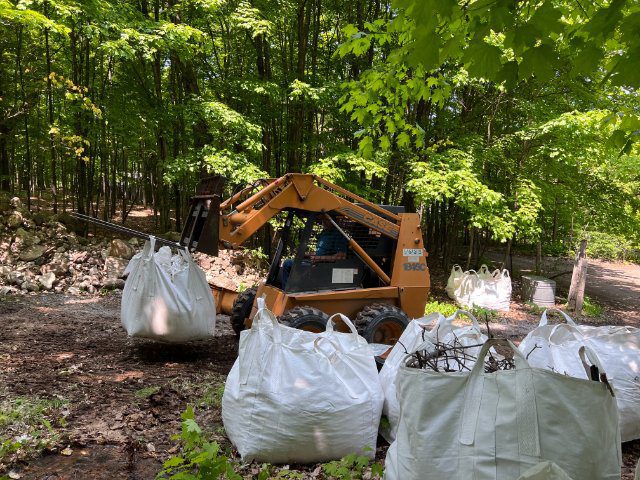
(25, 116)
(296, 106)
(52, 142)
(472, 236)
(578, 279)
(507, 256)
(5, 173)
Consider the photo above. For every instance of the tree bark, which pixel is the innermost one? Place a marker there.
(296, 106)
(578, 279)
(472, 235)
(538, 257)
(52, 142)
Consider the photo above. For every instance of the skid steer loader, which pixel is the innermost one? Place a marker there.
(380, 279)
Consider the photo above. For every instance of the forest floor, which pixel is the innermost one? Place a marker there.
(86, 402)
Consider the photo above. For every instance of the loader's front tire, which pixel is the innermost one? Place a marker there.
(242, 309)
(381, 323)
(305, 318)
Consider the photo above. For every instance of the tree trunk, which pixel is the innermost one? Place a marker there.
(52, 143)
(578, 279)
(472, 235)
(507, 257)
(296, 106)
(27, 144)
(538, 257)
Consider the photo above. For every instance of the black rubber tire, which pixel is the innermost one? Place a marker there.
(305, 318)
(372, 318)
(242, 309)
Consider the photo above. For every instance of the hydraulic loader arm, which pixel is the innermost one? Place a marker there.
(303, 192)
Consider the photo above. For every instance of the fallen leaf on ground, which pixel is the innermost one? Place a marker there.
(67, 451)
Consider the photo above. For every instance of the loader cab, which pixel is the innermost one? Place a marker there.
(303, 258)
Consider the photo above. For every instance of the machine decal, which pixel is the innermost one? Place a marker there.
(409, 266)
(343, 275)
(371, 220)
(413, 254)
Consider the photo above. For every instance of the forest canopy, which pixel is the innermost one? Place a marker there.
(499, 121)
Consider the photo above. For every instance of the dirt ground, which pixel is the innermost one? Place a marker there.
(112, 404)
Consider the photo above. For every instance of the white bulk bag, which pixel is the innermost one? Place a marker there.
(490, 290)
(298, 397)
(545, 471)
(416, 337)
(489, 426)
(454, 281)
(167, 297)
(618, 347)
(461, 285)
(480, 289)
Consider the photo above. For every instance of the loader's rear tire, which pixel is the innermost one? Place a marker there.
(305, 318)
(242, 309)
(381, 323)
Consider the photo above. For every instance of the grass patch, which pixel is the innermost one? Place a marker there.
(29, 425)
(445, 308)
(146, 392)
(590, 308)
(484, 314)
(535, 309)
(205, 390)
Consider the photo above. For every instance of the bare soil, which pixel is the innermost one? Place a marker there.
(120, 400)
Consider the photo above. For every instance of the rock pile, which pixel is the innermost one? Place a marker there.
(42, 252)
(232, 269)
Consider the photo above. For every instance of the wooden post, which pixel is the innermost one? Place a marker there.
(578, 279)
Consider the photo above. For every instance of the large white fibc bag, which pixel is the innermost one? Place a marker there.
(545, 471)
(489, 426)
(618, 348)
(454, 282)
(417, 336)
(298, 397)
(489, 290)
(167, 297)
(480, 289)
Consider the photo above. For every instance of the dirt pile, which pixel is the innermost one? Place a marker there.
(43, 252)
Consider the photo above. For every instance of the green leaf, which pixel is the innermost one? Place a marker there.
(173, 462)
(508, 74)
(547, 18)
(603, 22)
(538, 61)
(618, 138)
(191, 426)
(523, 37)
(403, 140)
(385, 143)
(625, 71)
(587, 59)
(482, 60)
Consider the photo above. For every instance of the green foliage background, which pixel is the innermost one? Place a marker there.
(500, 121)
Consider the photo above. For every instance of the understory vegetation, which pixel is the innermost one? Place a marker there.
(29, 425)
(200, 458)
(503, 122)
